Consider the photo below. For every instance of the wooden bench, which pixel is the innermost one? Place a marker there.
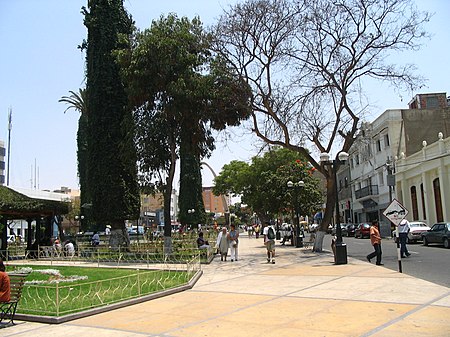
(8, 309)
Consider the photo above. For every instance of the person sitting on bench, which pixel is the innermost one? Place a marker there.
(201, 242)
(5, 288)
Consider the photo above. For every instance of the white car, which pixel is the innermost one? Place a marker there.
(415, 234)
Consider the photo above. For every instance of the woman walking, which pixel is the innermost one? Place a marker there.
(233, 239)
(222, 244)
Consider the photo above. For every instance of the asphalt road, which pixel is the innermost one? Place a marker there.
(431, 263)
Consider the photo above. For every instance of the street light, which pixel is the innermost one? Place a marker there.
(297, 186)
(191, 211)
(340, 256)
(78, 220)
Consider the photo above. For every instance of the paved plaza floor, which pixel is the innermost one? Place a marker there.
(303, 294)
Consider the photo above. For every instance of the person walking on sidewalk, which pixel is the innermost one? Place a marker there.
(269, 241)
(403, 230)
(222, 244)
(233, 239)
(375, 239)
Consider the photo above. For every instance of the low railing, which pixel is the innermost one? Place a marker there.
(366, 191)
(183, 248)
(59, 299)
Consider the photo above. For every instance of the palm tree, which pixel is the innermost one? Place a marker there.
(78, 101)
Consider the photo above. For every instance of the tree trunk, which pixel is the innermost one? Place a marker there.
(328, 214)
(119, 236)
(167, 200)
(318, 242)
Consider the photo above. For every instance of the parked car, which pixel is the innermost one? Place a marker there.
(343, 229)
(351, 229)
(416, 231)
(313, 227)
(439, 233)
(362, 231)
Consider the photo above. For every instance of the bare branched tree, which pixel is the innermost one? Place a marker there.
(305, 61)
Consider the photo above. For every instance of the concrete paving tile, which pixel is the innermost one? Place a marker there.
(444, 302)
(430, 321)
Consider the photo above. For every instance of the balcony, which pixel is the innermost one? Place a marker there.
(371, 190)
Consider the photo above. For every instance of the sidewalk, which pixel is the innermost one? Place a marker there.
(303, 294)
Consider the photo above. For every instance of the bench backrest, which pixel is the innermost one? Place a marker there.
(16, 283)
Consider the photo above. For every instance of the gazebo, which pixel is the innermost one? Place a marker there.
(15, 205)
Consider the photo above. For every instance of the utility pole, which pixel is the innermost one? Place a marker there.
(9, 143)
(391, 183)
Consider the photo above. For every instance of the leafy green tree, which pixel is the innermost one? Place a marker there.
(179, 93)
(262, 184)
(111, 162)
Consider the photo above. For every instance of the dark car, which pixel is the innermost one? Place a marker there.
(439, 233)
(351, 229)
(362, 231)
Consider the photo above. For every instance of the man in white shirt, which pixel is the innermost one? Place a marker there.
(269, 240)
(403, 230)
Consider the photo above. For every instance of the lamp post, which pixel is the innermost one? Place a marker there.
(297, 186)
(191, 211)
(79, 218)
(340, 256)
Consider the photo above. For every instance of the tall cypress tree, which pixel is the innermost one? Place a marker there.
(112, 173)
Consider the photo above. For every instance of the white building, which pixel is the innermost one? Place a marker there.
(423, 182)
(394, 141)
(378, 143)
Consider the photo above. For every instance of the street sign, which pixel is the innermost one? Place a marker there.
(395, 212)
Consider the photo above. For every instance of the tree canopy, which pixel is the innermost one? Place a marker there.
(179, 92)
(111, 156)
(306, 62)
(262, 184)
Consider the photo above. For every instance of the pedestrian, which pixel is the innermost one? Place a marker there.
(250, 231)
(269, 241)
(403, 230)
(257, 230)
(375, 239)
(95, 241)
(222, 244)
(70, 248)
(233, 239)
(5, 287)
(201, 242)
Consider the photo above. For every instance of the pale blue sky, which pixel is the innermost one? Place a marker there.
(40, 62)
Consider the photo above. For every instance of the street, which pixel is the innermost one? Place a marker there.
(430, 263)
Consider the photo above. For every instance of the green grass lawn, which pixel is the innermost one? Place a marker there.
(49, 294)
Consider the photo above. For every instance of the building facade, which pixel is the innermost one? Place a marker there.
(380, 167)
(423, 182)
(213, 203)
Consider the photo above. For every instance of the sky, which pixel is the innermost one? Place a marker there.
(40, 63)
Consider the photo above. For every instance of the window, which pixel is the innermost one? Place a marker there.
(357, 159)
(381, 178)
(432, 103)
(346, 181)
(378, 145)
(369, 150)
(415, 209)
(386, 140)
